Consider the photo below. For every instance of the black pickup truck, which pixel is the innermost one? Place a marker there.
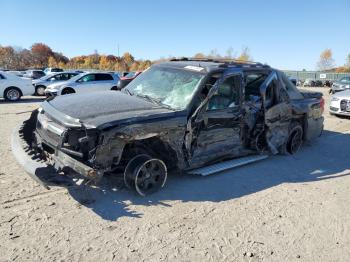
(190, 115)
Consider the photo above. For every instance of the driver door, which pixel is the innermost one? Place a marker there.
(218, 126)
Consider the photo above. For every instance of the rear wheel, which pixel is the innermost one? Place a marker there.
(295, 139)
(40, 90)
(12, 94)
(67, 91)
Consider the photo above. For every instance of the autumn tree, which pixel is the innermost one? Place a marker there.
(41, 53)
(326, 61)
(245, 55)
(199, 55)
(128, 59)
(7, 57)
(52, 62)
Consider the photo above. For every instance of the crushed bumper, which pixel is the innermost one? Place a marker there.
(37, 168)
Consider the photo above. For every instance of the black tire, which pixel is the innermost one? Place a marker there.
(40, 90)
(295, 139)
(145, 174)
(12, 93)
(67, 90)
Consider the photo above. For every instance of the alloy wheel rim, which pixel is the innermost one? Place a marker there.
(150, 176)
(13, 94)
(40, 91)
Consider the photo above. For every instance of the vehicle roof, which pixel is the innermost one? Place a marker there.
(213, 64)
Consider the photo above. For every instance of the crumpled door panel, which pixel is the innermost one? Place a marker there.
(277, 120)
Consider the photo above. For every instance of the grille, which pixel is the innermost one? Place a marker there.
(45, 127)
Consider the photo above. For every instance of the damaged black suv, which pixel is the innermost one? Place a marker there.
(191, 115)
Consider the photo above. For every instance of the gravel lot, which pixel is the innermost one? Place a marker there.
(286, 208)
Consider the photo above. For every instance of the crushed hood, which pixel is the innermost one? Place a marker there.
(104, 108)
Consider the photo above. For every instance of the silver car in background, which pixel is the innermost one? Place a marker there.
(340, 103)
(42, 83)
(84, 83)
(341, 85)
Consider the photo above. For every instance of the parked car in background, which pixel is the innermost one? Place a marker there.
(84, 83)
(42, 83)
(125, 80)
(293, 80)
(12, 87)
(309, 82)
(340, 103)
(300, 82)
(341, 85)
(34, 74)
(51, 70)
(327, 83)
(318, 83)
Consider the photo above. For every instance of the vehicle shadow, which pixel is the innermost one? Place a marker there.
(35, 99)
(326, 158)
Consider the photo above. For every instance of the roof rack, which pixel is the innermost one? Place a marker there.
(225, 61)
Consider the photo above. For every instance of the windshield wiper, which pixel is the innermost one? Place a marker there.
(128, 91)
(156, 101)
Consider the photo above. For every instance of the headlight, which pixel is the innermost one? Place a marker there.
(347, 86)
(335, 99)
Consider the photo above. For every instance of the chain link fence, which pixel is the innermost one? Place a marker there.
(315, 75)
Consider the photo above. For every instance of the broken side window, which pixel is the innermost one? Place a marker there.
(227, 95)
(252, 88)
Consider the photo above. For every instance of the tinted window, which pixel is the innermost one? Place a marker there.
(87, 78)
(71, 75)
(103, 77)
(345, 80)
(56, 70)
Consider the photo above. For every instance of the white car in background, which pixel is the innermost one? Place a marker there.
(12, 87)
(340, 103)
(84, 83)
(41, 83)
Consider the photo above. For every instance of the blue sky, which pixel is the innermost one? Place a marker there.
(285, 34)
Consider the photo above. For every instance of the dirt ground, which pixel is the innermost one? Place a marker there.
(285, 208)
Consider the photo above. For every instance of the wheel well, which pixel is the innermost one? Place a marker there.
(7, 88)
(155, 147)
(68, 88)
(40, 86)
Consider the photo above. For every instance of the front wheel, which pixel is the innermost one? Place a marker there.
(145, 174)
(40, 90)
(12, 94)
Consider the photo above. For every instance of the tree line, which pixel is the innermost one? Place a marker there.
(40, 55)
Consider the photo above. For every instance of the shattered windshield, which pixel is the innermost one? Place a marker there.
(170, 87)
